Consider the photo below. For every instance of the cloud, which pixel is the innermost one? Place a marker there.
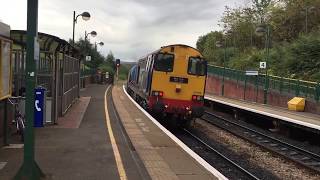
(129, 28)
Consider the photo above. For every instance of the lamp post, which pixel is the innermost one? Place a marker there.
(307, 10)
(260, 31)
(92, 33)
(85, 16)
(219, 45)
(99, 43)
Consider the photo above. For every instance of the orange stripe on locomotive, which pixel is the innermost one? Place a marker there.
(171, 80)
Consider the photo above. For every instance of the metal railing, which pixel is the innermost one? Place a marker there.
(87, 72)
(282, 85)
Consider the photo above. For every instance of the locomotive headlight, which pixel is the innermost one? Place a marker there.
(197, 98)
(157, 93)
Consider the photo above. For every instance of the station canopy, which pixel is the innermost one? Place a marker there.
(47, 42)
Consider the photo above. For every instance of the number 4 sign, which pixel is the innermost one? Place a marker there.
(263, 65)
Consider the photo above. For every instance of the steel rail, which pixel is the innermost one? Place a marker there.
(307, 158)
(223, 156)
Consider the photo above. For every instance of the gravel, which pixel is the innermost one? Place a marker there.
(212, 158)
(215, 160)
(260, 158)
(302, 144)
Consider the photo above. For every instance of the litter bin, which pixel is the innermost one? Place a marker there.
(39, 107)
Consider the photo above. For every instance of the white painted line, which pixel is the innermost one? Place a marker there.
(14, 146)
(117, 156)
(267, 114)
(2, 165)
(195, 156)
(138, 120)
(145, 129)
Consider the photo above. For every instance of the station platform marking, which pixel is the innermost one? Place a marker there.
(306, 124)
(14, 146)
(138, 120)
(117, 156)
(195, 156)
(2, 165)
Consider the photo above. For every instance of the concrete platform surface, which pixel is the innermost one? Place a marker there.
(74, 116)
(162, 157)
(301, 118)
(77, 153)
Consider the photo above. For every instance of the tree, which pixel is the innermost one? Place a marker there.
(110, 58)
(108, 65)
(293, 51)
(87, 49)
(206, 44)
(261, 8)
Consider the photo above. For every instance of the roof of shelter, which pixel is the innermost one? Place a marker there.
(47, 42)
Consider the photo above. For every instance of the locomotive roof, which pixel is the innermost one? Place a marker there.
(178, 45)
(162, 47)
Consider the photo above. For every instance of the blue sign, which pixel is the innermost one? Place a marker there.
(39, 107)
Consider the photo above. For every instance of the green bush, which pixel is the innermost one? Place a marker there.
(299, 59)
(304, 57)
(248, 60)
(123, 72)
(106, 68)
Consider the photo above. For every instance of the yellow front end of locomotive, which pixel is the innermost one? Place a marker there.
(179, 84)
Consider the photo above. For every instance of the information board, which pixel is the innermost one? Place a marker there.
(252, 73)
(5, 68)
(263, 65)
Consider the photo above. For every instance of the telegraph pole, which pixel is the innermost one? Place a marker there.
(30, 169)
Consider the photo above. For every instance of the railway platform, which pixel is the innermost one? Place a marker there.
(303, 119)
(164, 156)
(79, 147)
(106, 136)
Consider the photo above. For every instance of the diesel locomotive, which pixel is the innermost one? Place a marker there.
(170, 81)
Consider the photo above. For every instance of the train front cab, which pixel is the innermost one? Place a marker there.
(178, 82)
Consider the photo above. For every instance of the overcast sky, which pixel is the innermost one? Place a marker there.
(129, 28)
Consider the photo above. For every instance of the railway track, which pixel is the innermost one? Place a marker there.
(301, 156)
(246, 173)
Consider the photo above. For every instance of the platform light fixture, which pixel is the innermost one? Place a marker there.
(96, 44)
(85, 16)
(92, 33)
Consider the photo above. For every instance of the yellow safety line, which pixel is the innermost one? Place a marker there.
(121, 171)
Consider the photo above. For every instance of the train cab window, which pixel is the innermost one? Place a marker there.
(164, 62)
(197, 66)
